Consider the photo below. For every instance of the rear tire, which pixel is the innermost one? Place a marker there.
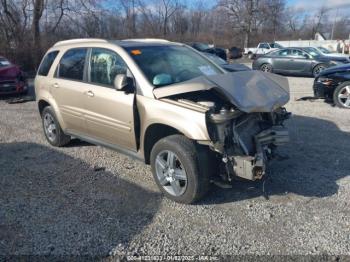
(250, 55)
(187, 171)
(266, 68)
(341, 95)
(317, 69)
(52, 129)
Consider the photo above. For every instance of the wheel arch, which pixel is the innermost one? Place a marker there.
(42, 104)
(153, 134)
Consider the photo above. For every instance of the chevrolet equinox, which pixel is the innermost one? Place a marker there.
(165, 104)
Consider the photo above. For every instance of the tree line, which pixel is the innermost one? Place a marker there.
(29, 27)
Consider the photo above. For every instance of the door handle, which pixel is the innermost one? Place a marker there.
(90, 93)
(55, 85)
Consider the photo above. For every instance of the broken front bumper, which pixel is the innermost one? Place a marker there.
(253, 167)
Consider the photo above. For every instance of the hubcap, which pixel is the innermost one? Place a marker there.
(171, 173)
(50, 127)
(344, 96)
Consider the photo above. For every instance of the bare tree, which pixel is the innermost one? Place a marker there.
(319, 18)
(273, 11)
(38, 9)
(244, 15)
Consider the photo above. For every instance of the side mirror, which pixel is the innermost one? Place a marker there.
(306, 56)
(120, 82)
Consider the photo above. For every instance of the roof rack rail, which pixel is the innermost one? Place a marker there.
(78, 40)
(146, 40)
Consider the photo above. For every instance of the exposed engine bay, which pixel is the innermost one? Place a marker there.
(244, 142)
(244, 117)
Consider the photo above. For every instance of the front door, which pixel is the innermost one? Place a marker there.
(300, 62)
(109, 113)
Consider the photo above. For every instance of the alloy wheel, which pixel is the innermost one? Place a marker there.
(266, 68)
(50, 127)
(170, 173)
(318, 70)
(344, 96)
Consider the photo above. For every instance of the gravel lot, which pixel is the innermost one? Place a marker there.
(88, 200)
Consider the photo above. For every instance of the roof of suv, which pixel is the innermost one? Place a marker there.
(122, 43)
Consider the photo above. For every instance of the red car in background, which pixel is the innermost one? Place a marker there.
(12, 80)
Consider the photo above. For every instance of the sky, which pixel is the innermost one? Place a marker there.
(307, 5)
(312, 4)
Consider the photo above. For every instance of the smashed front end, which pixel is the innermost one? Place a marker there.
(246, 142)
(244, 117)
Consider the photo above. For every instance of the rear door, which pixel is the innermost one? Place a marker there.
(109, 113)
(67, 88)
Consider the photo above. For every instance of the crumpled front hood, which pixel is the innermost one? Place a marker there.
(249, 91)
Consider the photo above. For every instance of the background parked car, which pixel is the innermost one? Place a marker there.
(317, 51)
(333, 84)
(12, 80)
(234, 53)
(205, 48)
(324, 51)
(234, 67)
(261, 49)
(296, 61)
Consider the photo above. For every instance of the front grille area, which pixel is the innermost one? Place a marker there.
(7, 86)
(247, 127)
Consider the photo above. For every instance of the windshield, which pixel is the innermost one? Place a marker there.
(312, 51)
(324, 50)
(216, 59)
(275, 45)
(166, 65)
(4, 62)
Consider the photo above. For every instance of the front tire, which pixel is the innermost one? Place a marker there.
(52, 129)
(178, 170)
(341, 95)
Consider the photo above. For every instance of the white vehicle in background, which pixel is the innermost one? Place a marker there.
(261, 49)
(326, 52)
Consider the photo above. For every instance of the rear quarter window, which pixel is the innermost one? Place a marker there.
(47, 63)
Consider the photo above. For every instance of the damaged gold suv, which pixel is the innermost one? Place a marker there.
(165, 104)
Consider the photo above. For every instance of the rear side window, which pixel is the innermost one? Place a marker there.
(47, 63)
(72, 64)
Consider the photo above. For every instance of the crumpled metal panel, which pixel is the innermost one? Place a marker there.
(249, 91)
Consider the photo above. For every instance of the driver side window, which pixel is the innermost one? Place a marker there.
(105, 65)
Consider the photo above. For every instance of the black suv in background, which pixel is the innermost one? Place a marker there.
(205, 48)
